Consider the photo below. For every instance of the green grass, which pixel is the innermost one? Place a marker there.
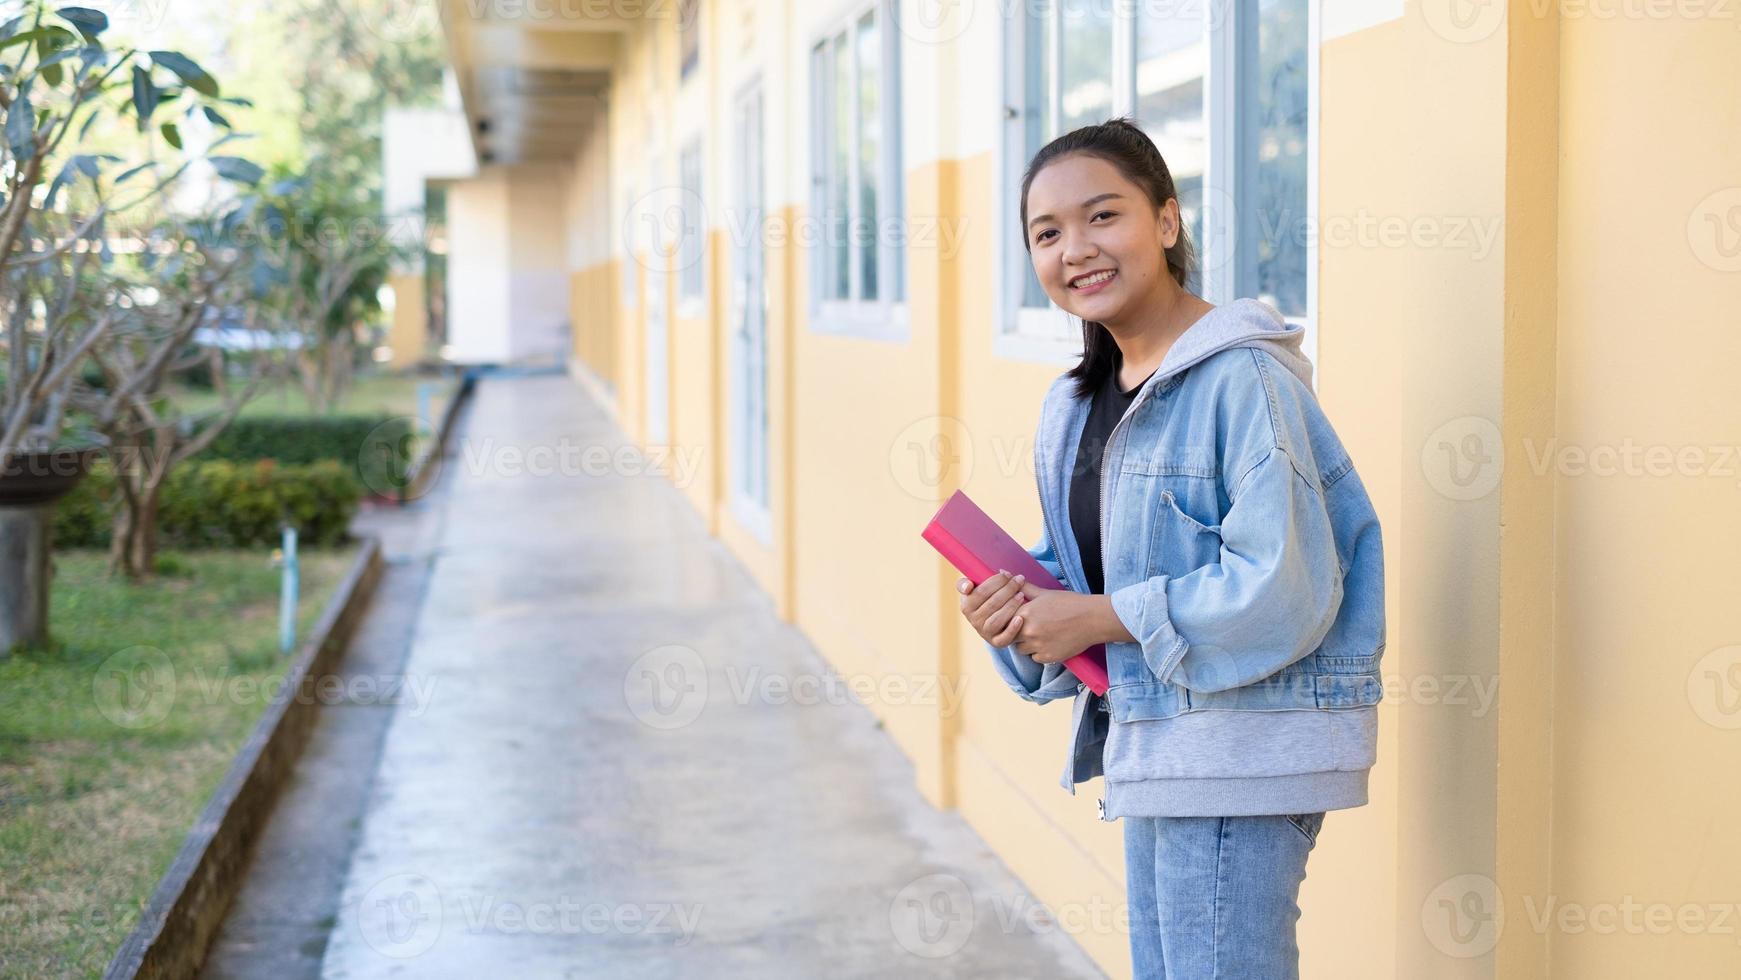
(98, 790)
(368, 394)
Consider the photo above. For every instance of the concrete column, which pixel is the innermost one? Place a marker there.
(24, 542)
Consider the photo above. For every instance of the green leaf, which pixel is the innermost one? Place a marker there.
(27, 36)
(237, 169)
(60, 180)
(61, 55)
(89, 22)
(130, 172)
(171, 134)
(230, 137)
(11, 27)
(21, 128)
(145, 96)
(216, 118)
(189, 72)
(93, 57)
(51, 73)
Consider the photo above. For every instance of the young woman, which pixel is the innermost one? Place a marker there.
(1214, 536)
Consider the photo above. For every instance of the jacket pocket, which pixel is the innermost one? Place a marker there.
(1179, 543)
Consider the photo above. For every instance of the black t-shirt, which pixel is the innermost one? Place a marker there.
(1104, 411)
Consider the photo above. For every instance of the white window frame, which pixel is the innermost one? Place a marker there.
(688, 68)
(1050, 335)
(630, 283)
(882, 318)
(693, 213)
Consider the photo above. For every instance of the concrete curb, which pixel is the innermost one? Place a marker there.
(187, 908)
(425, 467)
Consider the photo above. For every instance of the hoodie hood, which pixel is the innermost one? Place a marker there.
(1241, 323)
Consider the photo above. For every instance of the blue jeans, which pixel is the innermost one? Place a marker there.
(1213, 898)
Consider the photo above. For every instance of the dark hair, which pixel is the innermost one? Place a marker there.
(1123, 144)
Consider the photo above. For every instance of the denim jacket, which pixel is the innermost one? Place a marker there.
(1242, 553)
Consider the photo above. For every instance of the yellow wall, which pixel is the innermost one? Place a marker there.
(408, 333)
(1647, 720)
(1554, 293)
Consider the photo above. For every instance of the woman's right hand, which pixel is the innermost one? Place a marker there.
(993, 607)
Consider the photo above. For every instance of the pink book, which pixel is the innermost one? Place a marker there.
(978, 547)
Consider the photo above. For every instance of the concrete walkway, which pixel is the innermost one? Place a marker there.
(582, 790)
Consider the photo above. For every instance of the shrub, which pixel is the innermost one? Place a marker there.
(221, 504)
(293, 440)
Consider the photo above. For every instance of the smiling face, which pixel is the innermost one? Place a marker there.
(1097, 242)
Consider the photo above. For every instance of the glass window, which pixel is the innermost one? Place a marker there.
(857, 179)
(870, 139)
(1273, 116)
(688, 35)
(1230, 111)
(1172, 60)
(1085, 64)
(693, 236)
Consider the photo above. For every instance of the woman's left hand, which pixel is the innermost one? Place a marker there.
(1059, 624)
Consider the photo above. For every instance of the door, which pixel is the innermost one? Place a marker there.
(749, 319)
(658, 298)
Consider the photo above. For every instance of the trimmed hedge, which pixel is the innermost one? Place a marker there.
(222, 504)
(295, 440)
